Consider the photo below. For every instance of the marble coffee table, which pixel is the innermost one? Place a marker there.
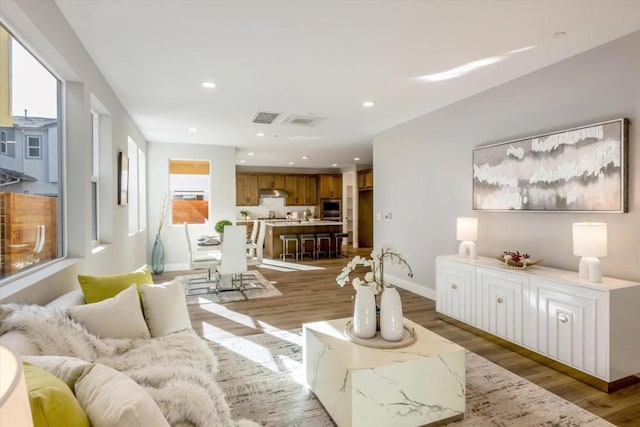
(421, 384)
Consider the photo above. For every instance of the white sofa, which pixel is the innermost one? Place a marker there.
(176, 370)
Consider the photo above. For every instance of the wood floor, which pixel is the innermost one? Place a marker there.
(314, 295)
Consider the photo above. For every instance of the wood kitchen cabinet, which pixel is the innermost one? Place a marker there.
(271, 181)
(312, 189)
(301, 190)
(330, 186)
(365, 180)
(581, 328)
(247, 190)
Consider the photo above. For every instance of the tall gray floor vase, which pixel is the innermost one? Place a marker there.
(157, 256)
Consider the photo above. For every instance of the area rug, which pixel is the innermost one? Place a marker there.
(255, 284)
(262, 376)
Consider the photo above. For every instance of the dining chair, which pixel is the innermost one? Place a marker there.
(258, 246)
(200, 263)
(251, 250)
(234, 257)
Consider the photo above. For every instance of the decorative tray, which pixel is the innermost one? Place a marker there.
(377, 341)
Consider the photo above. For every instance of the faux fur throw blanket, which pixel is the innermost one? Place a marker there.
(177, 370)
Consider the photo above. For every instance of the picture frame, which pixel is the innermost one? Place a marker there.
(123, 179)
(582, 169)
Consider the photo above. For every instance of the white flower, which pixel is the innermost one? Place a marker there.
(369, 277)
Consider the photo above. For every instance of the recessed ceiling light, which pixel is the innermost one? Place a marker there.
(368, 104)
(242, 161)
(208, 85)
(305, 157)
(559, 34)
(250, 153)
(291, 163)
(193, 129)
(335, 165)
(259, 134)
(356, 158)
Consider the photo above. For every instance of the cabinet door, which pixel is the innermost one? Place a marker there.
(301, 190)
(278, 181)
(290, 186)
(503, 303)
(251, 195)
(265, 182)
(566, 325)
(456, 291)
(312, 184)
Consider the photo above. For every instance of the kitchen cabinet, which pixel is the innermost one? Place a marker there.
(587, 327)
(365, 180)
(312, 188)
(247, 190)
(271, 181)
(330, 186)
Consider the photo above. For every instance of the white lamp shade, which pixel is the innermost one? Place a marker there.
(590, 239)
(14, 399)
(467, 229)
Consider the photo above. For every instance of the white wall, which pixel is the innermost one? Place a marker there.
(423, 168)
(222, 203)
(42, 28)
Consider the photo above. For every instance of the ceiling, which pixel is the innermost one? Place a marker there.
(321, 59)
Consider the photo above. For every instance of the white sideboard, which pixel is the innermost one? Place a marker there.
(590, 327)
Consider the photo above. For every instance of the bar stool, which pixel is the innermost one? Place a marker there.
(286, 238)
(338, 239)
(304, 238)
(320, 237)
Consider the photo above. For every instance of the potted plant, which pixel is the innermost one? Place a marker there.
(220, 225)
(244, 215)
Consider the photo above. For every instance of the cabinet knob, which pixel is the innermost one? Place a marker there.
(454, 286)
(563, 318)
(499, 300)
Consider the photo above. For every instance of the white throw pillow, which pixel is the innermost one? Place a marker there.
(165, 308)
(67, 368)
(117, 317)
(112, 399)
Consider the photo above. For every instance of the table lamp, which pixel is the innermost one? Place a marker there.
(14, 399)
(590, 242)
(467, 232)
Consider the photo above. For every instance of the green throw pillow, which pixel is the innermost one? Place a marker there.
(98, 288)
(52, 402)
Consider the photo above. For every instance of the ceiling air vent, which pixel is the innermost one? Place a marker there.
(308, 121)
(265, 118)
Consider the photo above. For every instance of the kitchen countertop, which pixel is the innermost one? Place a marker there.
(294, 223)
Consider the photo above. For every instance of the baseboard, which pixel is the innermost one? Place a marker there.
(411, 287)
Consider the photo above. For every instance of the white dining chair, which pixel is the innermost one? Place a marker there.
(251, 248)
(200, 263)
(259, 246)
(234, 257)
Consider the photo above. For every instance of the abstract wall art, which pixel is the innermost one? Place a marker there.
(580, 169)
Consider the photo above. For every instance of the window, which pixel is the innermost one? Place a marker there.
(31, 196)
(189, 187)
(34, 147)
(95, 139)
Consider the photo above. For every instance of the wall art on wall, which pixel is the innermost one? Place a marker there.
(123, 179)
(580, 169)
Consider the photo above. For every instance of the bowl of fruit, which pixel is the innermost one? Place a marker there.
(517, 260)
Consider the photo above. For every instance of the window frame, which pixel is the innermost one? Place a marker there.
(95, 179)
(27, 147)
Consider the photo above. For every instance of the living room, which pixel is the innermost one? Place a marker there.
(422, 166)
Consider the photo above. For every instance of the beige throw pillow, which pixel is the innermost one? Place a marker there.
(110, 399)
(66, 368)
(117, 317)
(165, 308)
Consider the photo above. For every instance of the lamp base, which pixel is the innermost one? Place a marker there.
(467, 249)
(589, 269)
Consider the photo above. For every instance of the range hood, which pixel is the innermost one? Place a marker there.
(270, 193)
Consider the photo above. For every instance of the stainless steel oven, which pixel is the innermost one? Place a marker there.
(330, 209)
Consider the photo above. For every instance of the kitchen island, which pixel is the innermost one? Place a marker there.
(275, 229)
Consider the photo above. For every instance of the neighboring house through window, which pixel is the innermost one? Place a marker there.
(34, 147)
